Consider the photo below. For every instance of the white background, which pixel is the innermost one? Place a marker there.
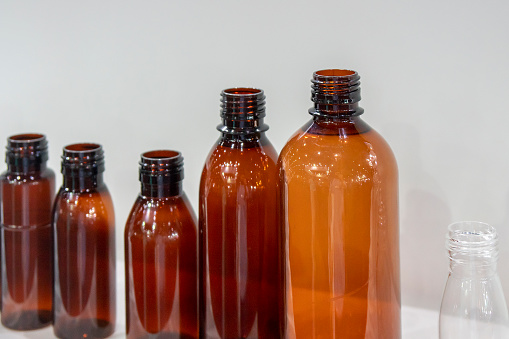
(142, 75)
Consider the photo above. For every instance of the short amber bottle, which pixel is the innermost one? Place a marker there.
(27, 193)
(84, 233)
(161, 253)
(240, 272)
(339, 189)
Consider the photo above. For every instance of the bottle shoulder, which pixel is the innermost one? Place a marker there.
(161, 216)
(46, 175)
(337, 148)
(95, 204)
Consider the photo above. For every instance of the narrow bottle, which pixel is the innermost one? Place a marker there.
(161, 253)
(84, 233)
(339, 190)
(27, 192)
(240, 273)
(473, 305)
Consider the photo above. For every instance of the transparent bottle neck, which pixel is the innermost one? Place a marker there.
(472, 249)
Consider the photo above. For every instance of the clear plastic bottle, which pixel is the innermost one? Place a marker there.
(27, 193)
(339, 189)
(161, 253)
(473, 306)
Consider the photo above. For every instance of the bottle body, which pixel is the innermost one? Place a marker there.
(339, 191)
(240, 291)
(84, 233)
(473, 305)
(26, 249)
(161, 258)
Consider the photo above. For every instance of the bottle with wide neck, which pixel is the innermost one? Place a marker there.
(161, 253)
(240, 268)
(339, 197)
(27, 192)
(84, 235)
(473, 305)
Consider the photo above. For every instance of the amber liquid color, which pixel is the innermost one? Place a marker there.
(27, 192)
(161, 254)
(339, 191)
(84, 233)
(240, 281)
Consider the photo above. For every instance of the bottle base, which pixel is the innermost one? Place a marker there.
(83, 328)
(27, 320)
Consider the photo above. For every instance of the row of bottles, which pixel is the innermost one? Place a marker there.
(300, 246)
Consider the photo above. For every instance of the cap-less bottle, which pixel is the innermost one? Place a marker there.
(27, 193)
(339, 187)
(161, 253)
(238, 222)
(473, 305)
(84, 235)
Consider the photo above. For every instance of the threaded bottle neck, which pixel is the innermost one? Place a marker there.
(82, 166)
(336, 93)
(161, 173)
(473, 248)
(242, 111)
(26, 153)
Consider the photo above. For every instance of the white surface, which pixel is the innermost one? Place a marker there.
(416, 323)
(138, 75)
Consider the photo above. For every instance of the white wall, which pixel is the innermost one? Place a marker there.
(142, 75)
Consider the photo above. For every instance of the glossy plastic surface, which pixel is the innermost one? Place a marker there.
(84, 233)
(239, 241)
(473, 305)
(27, 261)
(340, 199)
(161, 252)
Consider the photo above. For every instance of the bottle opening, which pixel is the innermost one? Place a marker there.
(473, 238)
(26, 152)
(25, 138)
(160, 155)
(83, 159)
(335, 73)
(335, 93)
(242, 91)
(84, 147)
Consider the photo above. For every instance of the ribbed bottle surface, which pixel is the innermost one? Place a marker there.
(335, 92)
(26, 152)
(242, 111)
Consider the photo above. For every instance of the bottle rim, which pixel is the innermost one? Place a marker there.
(473, 238)
(80, 148)
(26, 138)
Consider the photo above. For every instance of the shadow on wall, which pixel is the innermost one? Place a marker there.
(425, 215)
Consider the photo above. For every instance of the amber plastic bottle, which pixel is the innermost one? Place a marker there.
(161, 253)
(240, 273)
(339, 189)
(84, 233)
(27, 193)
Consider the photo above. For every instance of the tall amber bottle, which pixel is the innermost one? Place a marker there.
(161, 253)
(27, 193)
(339, 189)
(240, 271)
(84, 233)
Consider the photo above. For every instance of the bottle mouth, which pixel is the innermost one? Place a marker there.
(161, 167)
(472, 238)
(83, 157)
(335, 93)
(31, 146)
